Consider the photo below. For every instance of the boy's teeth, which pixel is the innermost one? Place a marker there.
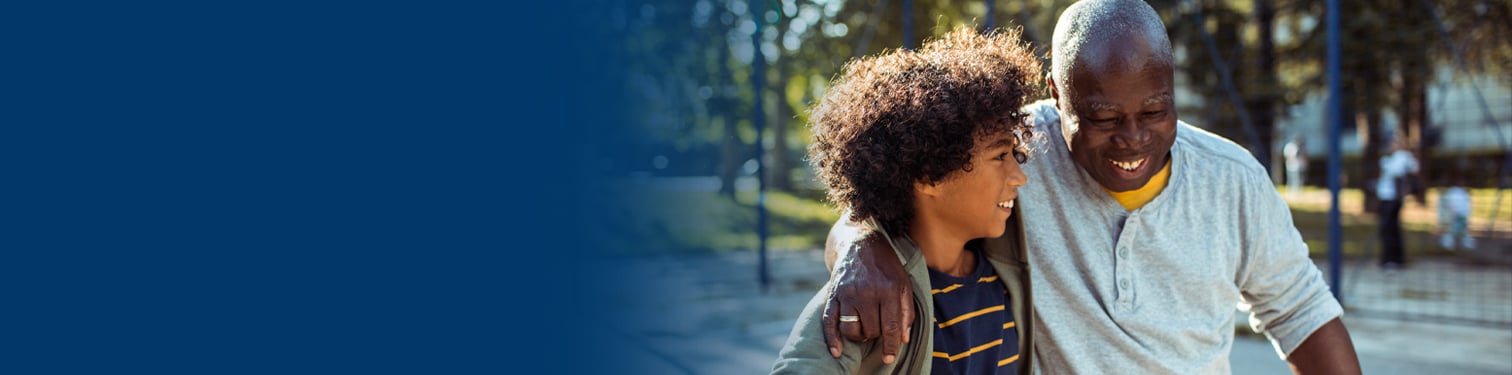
(1008, 204)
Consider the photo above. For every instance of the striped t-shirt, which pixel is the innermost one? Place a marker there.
(974, 330)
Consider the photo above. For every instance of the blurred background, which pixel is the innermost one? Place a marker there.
(706, 223)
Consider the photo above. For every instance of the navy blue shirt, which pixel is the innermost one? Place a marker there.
(974, 330)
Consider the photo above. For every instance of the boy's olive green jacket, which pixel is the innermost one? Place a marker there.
(807, 353)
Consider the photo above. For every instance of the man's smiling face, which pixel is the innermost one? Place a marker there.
(1118, 114)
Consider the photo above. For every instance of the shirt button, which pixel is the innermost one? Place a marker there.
(1123, 284)
(1123, 252)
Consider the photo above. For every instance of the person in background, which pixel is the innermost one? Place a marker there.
(1296, 164)
(1454, 215)
(1396, 168)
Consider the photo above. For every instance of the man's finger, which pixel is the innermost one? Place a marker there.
(828, 321)
(906, 309)
(871, 321)
(851, 327)
(891, 328)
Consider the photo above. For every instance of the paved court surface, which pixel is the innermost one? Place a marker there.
(705, 313)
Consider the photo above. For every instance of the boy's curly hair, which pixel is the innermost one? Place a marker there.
(912, 116)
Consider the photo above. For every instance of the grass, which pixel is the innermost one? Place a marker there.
(1358, 228)
(1483, 202)
(1426, 295)
(1358, 232)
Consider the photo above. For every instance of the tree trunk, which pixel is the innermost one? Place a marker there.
(779, 172)
(1362, 49)
(1414, 70)
(1410, 113)
(1262, 103)
(730, 159)
(1367, 116)
(730, 146)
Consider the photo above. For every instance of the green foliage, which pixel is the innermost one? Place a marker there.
(689, 65)
(689, 71)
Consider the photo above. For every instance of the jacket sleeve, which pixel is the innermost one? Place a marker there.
(1287, 296)
(806, 352)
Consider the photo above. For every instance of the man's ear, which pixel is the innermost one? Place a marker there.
(1054, 93)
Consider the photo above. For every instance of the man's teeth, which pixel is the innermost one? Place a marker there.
(1128, 165)
(1008, 204)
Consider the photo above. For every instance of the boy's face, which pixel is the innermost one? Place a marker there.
(976, 203)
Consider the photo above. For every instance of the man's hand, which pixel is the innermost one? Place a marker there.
(869, 288)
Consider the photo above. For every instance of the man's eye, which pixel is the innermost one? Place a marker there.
(1153, 114)
(1102, 122)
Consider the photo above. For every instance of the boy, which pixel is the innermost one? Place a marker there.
(927, 144)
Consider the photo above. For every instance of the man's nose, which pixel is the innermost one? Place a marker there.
(1129, 134)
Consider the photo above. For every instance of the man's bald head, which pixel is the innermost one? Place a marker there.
(1103, 33)
(1113, 80)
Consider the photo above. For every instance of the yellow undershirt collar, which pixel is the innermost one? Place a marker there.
(1134, 199)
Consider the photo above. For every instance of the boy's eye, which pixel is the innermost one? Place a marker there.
(1002, 156)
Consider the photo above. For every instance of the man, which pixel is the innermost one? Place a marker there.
(1143, 232)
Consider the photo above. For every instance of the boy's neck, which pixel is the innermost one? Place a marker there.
(942, 251)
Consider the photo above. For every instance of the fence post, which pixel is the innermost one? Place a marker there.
(1335, 252)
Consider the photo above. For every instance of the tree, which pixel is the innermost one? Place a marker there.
(1212, 36)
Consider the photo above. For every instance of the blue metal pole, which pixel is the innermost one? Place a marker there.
(908, 33)
(758, 82)
(1335, 251)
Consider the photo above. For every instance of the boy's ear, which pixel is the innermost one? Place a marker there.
(926, 189)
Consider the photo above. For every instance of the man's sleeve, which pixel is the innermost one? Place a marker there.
(1287, 297)
(806, 352)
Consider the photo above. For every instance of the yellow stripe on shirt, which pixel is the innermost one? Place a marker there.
(947, 289)
(970, 315)
(968, 353)
(1007, 361)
